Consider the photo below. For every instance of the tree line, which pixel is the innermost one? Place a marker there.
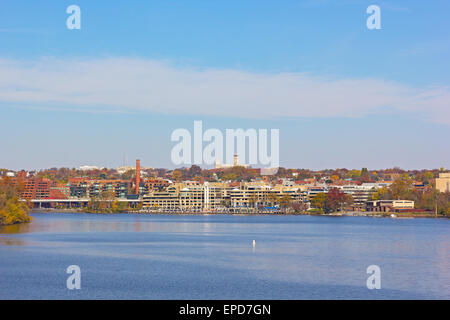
(428, 198)
(106, 202)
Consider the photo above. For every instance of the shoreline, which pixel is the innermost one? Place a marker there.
(397, 215)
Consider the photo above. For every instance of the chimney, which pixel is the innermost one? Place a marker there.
(236, 160)
(138, 175)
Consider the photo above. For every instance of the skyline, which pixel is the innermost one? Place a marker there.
(341, 95)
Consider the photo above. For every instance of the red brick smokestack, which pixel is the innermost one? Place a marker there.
(138, 175)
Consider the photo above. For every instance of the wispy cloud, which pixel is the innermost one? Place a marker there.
(128, 84)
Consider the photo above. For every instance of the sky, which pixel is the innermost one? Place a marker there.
(340, 94)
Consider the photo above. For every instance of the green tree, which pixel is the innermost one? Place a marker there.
(319, 201)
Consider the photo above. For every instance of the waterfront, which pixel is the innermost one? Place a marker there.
(132, 256)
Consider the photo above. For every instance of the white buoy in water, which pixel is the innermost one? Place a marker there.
(254, 242)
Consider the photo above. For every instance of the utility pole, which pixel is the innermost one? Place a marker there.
(435, 203)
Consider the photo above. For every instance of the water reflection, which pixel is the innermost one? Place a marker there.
(12, 242)
(56, 223)
(16, 228)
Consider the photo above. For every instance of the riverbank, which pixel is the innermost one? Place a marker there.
(395, 215)
(16, 221)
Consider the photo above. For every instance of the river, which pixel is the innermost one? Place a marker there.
(140, 256)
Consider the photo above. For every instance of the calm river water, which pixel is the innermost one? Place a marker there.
(130, 256)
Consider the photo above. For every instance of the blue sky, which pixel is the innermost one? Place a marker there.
(341, 95)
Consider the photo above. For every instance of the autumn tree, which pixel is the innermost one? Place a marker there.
(401, 188)
(194, 171)
(177, 175)
(103, 203)
(335, 199)
(334, 178)
(12, 210)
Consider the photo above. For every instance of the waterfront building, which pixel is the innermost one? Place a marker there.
(87, 188)
(35, 188)
(59, 191)
(360, 193)
(390, 205)
(41, 188)
(168, 200)
(213, 196)
(188, 197)
(250, 195)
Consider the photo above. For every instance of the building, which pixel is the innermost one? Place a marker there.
(36, 188)
(218, 165)
(362, 193)
(443, 182)
(188, 197)
(390, 205)
(213, 196)
(88, 168)
(153, 184)
(87, 188)
(134, 188)
(123, 169)
(59, 191)
(42, 188)
(168, 200)
(251, 195)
